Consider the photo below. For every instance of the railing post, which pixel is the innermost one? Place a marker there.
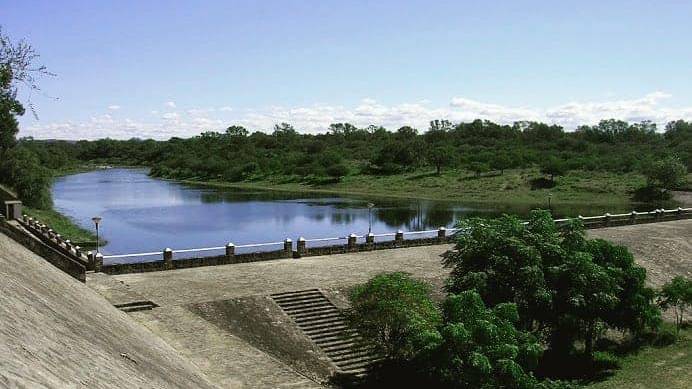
(288, 248)
(679, 213)
(606, 219)
(91, 260)
(633, 217)
(68, 245)
(352, 242)
(657, 214)
(98, 262)
(370, 241)
(399, 238)
(301, 247)
(230, 250)
(78, 251)
(167, 258)
(441, 234)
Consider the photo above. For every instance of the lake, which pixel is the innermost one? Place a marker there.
(143, 214)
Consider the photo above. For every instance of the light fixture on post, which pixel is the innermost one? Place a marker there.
(97, 220)
(370, 206)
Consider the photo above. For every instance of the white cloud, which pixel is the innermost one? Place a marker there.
(114, 107)
(317, 117)
(226, 108)
(169, 104)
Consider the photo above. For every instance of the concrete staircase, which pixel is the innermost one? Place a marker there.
(326, 326)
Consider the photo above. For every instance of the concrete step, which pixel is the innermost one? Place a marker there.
(135, 306)
(316, 317)
(302, 307)
(326, 326)
(293, 294)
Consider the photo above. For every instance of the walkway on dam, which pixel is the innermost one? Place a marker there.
(664, 249)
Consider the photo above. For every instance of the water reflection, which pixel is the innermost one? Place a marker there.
(144, 214)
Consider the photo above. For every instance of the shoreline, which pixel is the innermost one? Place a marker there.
(64, 224)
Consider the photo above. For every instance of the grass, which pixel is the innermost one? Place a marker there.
(655, 367)
(64, 226)
(512, 187)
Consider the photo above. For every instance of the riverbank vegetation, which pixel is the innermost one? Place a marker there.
(527, 306)
(611, 162)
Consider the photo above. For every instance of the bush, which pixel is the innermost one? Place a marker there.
(605, 361)
(337, 171)
(396, 314)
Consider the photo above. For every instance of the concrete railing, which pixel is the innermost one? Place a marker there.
(48, 236)
(232, 253)
(38, 242)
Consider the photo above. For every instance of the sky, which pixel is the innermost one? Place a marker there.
(157, 69)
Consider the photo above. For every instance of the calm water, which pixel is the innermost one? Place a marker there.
(142, 214)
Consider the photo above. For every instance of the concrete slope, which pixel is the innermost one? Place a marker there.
(55, 332)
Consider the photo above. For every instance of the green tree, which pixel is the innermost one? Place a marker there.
(478, 168)
(501, 162)
(667, 173)
(481, 347)
(441, 156)
(337, 171)
(553, 167)
(566, 287)
(396, 314)
(676, 294)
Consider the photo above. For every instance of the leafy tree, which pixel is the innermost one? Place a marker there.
(441, 156)
(566, 287)
(478, 168)
(22, 170)
(337, 171)
(553, 167)
(395, 313)
(677, 294)
(501, 162)
(10, 108)
(481, 347)
(667, 173)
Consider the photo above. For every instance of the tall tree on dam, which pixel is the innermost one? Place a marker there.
(20, 168)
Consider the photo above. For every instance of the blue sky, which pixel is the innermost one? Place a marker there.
(164, 68)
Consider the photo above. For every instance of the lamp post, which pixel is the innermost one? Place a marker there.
(370, 206)
(96, 220)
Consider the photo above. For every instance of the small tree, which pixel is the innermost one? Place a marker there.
(441, 156)
(501, 162)
(478, 168)
(337, 171)
(668, 173)
(553, 167)
(396, 314)
(676, 294)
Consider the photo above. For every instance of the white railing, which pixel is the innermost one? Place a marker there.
(632, 217)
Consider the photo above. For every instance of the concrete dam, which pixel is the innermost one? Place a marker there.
(261, 324)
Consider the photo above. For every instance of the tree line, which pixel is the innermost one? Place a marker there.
(480, 146)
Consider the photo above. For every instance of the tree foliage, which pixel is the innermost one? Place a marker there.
(677, 294)
(566, 288)
(397, 314)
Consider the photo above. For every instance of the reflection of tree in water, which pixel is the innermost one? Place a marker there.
(341, 217)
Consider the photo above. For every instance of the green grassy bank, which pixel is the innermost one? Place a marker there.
(521, 186)
(64, 226)
(655, 367)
